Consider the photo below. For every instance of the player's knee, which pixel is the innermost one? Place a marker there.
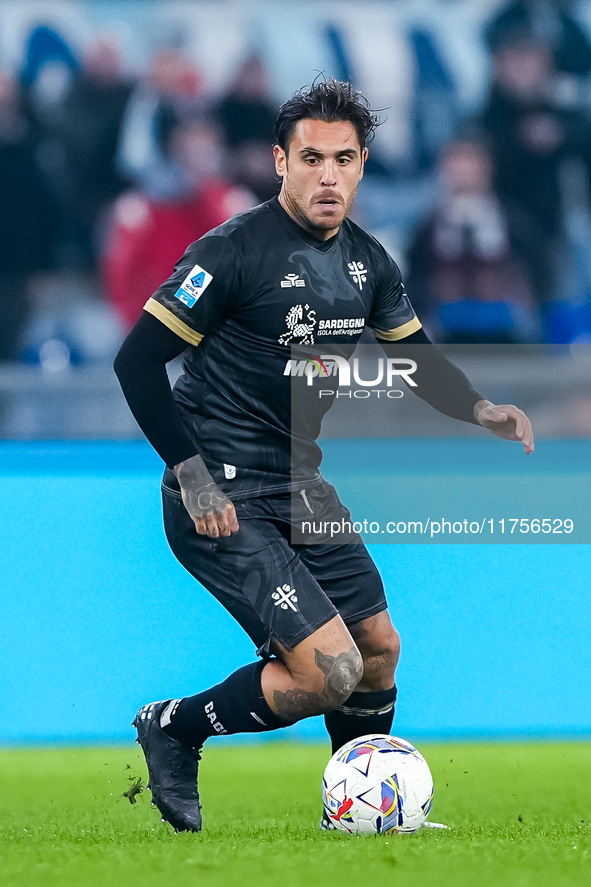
(387, 651)
(340, 674)
(393, 644)
(382, 641)
(379, 643)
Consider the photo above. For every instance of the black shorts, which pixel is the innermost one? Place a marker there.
(275, 589)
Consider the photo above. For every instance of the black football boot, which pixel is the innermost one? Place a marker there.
(172, 770)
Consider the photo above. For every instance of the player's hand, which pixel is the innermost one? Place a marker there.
(506, 421)
(212, 512)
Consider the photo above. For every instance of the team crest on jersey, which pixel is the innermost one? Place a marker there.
(300, 328)
(359, 273)
(193, 286)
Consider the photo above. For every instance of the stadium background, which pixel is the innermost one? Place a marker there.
(96, 615)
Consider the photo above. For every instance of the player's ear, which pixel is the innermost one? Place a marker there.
(364, 155)
(280, 160)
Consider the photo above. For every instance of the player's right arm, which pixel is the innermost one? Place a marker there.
(164, 330)
(141, 369)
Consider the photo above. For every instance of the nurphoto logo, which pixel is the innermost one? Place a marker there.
(388, 371)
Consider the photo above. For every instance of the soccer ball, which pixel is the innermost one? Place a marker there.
(377, 784)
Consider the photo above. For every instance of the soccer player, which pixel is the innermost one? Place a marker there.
(238, 299)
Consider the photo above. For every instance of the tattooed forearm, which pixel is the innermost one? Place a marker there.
(341, 675)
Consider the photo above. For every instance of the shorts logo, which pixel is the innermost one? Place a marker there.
(359, 273)
(193, 286)
(292, 280)
(285, 597)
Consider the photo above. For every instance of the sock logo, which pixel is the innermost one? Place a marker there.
(213, 718)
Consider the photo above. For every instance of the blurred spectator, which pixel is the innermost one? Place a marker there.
(435, 105)
(76, 118)
(546, 22)
(252, 166)
(171, 92)
(247, 113)
(88, 126)
(149, 234)
(532, 136)
(49, 66)
(26, 212)
(473, 260)
(247, 117)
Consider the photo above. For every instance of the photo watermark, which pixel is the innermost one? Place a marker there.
(408, 470)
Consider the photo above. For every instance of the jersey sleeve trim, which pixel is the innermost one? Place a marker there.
(400, 332)
(173, 322)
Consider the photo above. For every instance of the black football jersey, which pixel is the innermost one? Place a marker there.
(246, 297)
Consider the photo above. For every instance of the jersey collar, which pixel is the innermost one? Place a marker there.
(322, 246)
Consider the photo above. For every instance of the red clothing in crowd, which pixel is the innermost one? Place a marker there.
(146, 239)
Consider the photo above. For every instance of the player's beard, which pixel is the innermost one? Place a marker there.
(297, 210)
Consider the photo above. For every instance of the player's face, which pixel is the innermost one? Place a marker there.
(321, 171)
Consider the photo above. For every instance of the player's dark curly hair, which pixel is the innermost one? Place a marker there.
(329, 100)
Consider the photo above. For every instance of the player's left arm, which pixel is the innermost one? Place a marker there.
(435, 379)
(506, 421)
(445, 387)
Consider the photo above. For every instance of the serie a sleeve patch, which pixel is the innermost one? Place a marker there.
(193, 286)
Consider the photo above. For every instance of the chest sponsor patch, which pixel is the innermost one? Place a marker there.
(193, 286)
(341, 326)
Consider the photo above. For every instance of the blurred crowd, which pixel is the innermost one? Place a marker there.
(105, 179)
(492, 260)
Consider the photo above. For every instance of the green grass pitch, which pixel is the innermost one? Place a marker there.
(520, 815)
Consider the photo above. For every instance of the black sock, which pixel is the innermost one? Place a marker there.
(237, 705)
(361, 714)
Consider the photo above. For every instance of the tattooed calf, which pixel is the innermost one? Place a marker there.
(342, 673)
